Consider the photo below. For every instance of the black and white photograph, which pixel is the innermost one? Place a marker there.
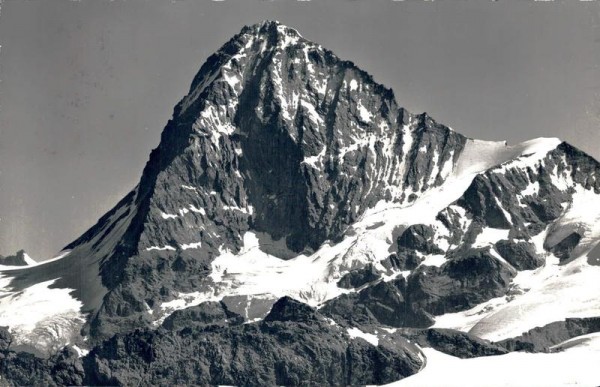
(300, 193)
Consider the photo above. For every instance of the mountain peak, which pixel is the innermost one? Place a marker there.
(258, 44)
(284, 169)
(270, 27)
(274, 108)
(270, 33)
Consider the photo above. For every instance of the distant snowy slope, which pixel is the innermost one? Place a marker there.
(479, 156)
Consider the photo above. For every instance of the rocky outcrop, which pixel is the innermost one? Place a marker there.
(404, 259)
(359, 277)
(480, 201)
(392, 263)
(384, 303)
(564, 248)
(541, 339)
(19, 259)
(452, 342)
(433, 147)
(25, 369)
(288, 309)
(294, 345)
(413, 244)
(522, 255)
(462, 282)
(206, 314)
(419, 237)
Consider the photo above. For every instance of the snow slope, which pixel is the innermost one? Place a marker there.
(40, 316)
(576, 365)
(30, 261)
(479, 156)
(46, 305)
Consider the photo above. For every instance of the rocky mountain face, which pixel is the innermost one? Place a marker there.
(293, 345)
(510, 218)
(295, 225)
(276, 135)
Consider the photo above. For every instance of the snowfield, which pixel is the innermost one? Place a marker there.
(576, 283)
(40, 316)
(368, 337)
(576, 365)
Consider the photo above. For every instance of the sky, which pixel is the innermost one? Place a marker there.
(86, 87)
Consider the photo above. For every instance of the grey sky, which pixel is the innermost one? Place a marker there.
(86, 87)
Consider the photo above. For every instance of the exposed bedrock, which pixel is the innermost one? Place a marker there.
(541, 339)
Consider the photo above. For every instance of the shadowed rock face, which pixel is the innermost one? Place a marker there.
(288, 309)
(459, 344)
(419, 238)
(293, 346)
(461, 283)
(383, 303)
(521, 255)
(540, 339)
(203, 315)
(564, 248)
(359, 277)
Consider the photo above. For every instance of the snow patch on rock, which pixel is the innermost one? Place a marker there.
(368, 337)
